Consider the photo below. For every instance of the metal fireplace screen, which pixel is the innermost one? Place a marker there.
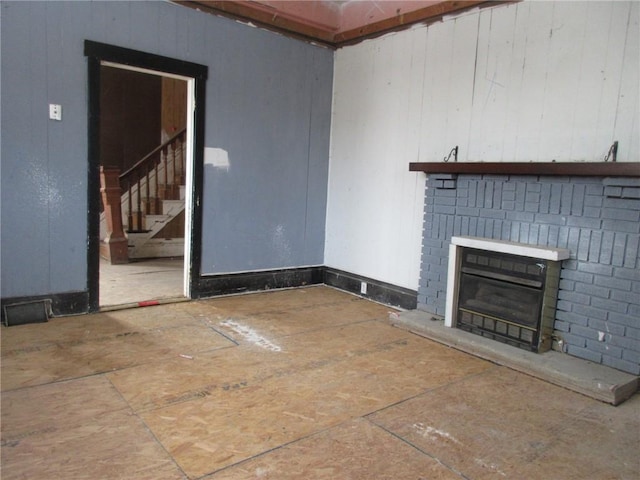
(507, 298)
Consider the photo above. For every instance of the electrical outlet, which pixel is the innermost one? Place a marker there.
(55, 112)
(363, 288)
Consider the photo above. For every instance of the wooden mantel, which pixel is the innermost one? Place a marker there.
(591, 169)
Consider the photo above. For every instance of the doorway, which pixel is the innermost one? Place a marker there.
(174, 241)
(144, 139)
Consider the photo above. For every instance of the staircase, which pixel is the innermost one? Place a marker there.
(151, 203)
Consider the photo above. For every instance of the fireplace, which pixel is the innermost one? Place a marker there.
(505, 291)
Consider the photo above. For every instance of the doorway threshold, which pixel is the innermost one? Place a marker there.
(142, 303)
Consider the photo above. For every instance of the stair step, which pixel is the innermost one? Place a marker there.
(172, 207)
(156, 248)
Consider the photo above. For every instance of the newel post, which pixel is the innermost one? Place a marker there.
(114, 247)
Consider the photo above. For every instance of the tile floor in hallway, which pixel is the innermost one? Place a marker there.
(309, 383)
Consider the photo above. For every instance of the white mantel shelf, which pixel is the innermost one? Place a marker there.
(513, 248)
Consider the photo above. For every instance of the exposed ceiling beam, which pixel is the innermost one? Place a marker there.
(267, 15)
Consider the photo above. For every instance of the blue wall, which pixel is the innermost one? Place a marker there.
(268, 106)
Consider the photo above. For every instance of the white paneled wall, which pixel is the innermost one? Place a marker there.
(530, 81)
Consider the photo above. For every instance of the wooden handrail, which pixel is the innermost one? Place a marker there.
(151, 154)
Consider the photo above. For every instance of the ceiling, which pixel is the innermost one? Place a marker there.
(334, 23)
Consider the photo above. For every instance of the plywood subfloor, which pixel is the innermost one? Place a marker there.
(298, 384)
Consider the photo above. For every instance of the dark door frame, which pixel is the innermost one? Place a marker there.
(97, 53)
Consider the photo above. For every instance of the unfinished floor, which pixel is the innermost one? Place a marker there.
(309, 383)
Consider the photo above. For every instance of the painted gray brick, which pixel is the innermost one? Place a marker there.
(432, 242)
(595, 268)
(621, 226)
(631, 251)
(612, 282)
(625, 343)
(444, 209)
(584, 353)
(554, 233)
(563, 238)
(545, 198)
(626, 319)
(604, 348)
(550, 219)
(584, 222)
(593, 200)
(622, 203)
(576, 275)
(572, 318)
(507, 194)
(487, 213)
(620, 364)
(594, 246)
(572, 241)
(621, 214)
(585, 332)
(592, 212)
(582, 251)
(555, 199)
(575, 340)
(532, 207)
(573, 297)
(631, 356)
(621, 181)
(628, 297)
(619, 249)
(613, 191)
(468, 211)
(595, 190)
(610, 305)
(631, 332)
(521, 216)
(609, 328)
(562, 305)
(589, 311)
(577, 199)
(629, 192)
(565, 200)
(606, 249)
(445, 201)
(442, 176)
(628, 273)
(593, 290)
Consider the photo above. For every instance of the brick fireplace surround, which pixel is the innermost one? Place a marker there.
(596, 218)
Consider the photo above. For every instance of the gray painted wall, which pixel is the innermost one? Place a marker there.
(268, 106)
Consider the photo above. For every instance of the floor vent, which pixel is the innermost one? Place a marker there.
(27, 312)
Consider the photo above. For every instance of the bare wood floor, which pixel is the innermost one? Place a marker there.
(142, 280)
(300, 384)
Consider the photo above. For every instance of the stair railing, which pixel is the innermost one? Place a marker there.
(156, 176)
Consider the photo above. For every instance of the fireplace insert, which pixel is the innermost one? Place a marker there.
(508, 298)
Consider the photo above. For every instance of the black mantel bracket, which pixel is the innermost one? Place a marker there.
(589, 169)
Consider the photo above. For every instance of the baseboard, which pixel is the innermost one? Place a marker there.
(225, 284)
(73, 303)
(375, 290)
(70, 303)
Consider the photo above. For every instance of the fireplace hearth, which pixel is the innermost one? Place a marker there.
(505, 291)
